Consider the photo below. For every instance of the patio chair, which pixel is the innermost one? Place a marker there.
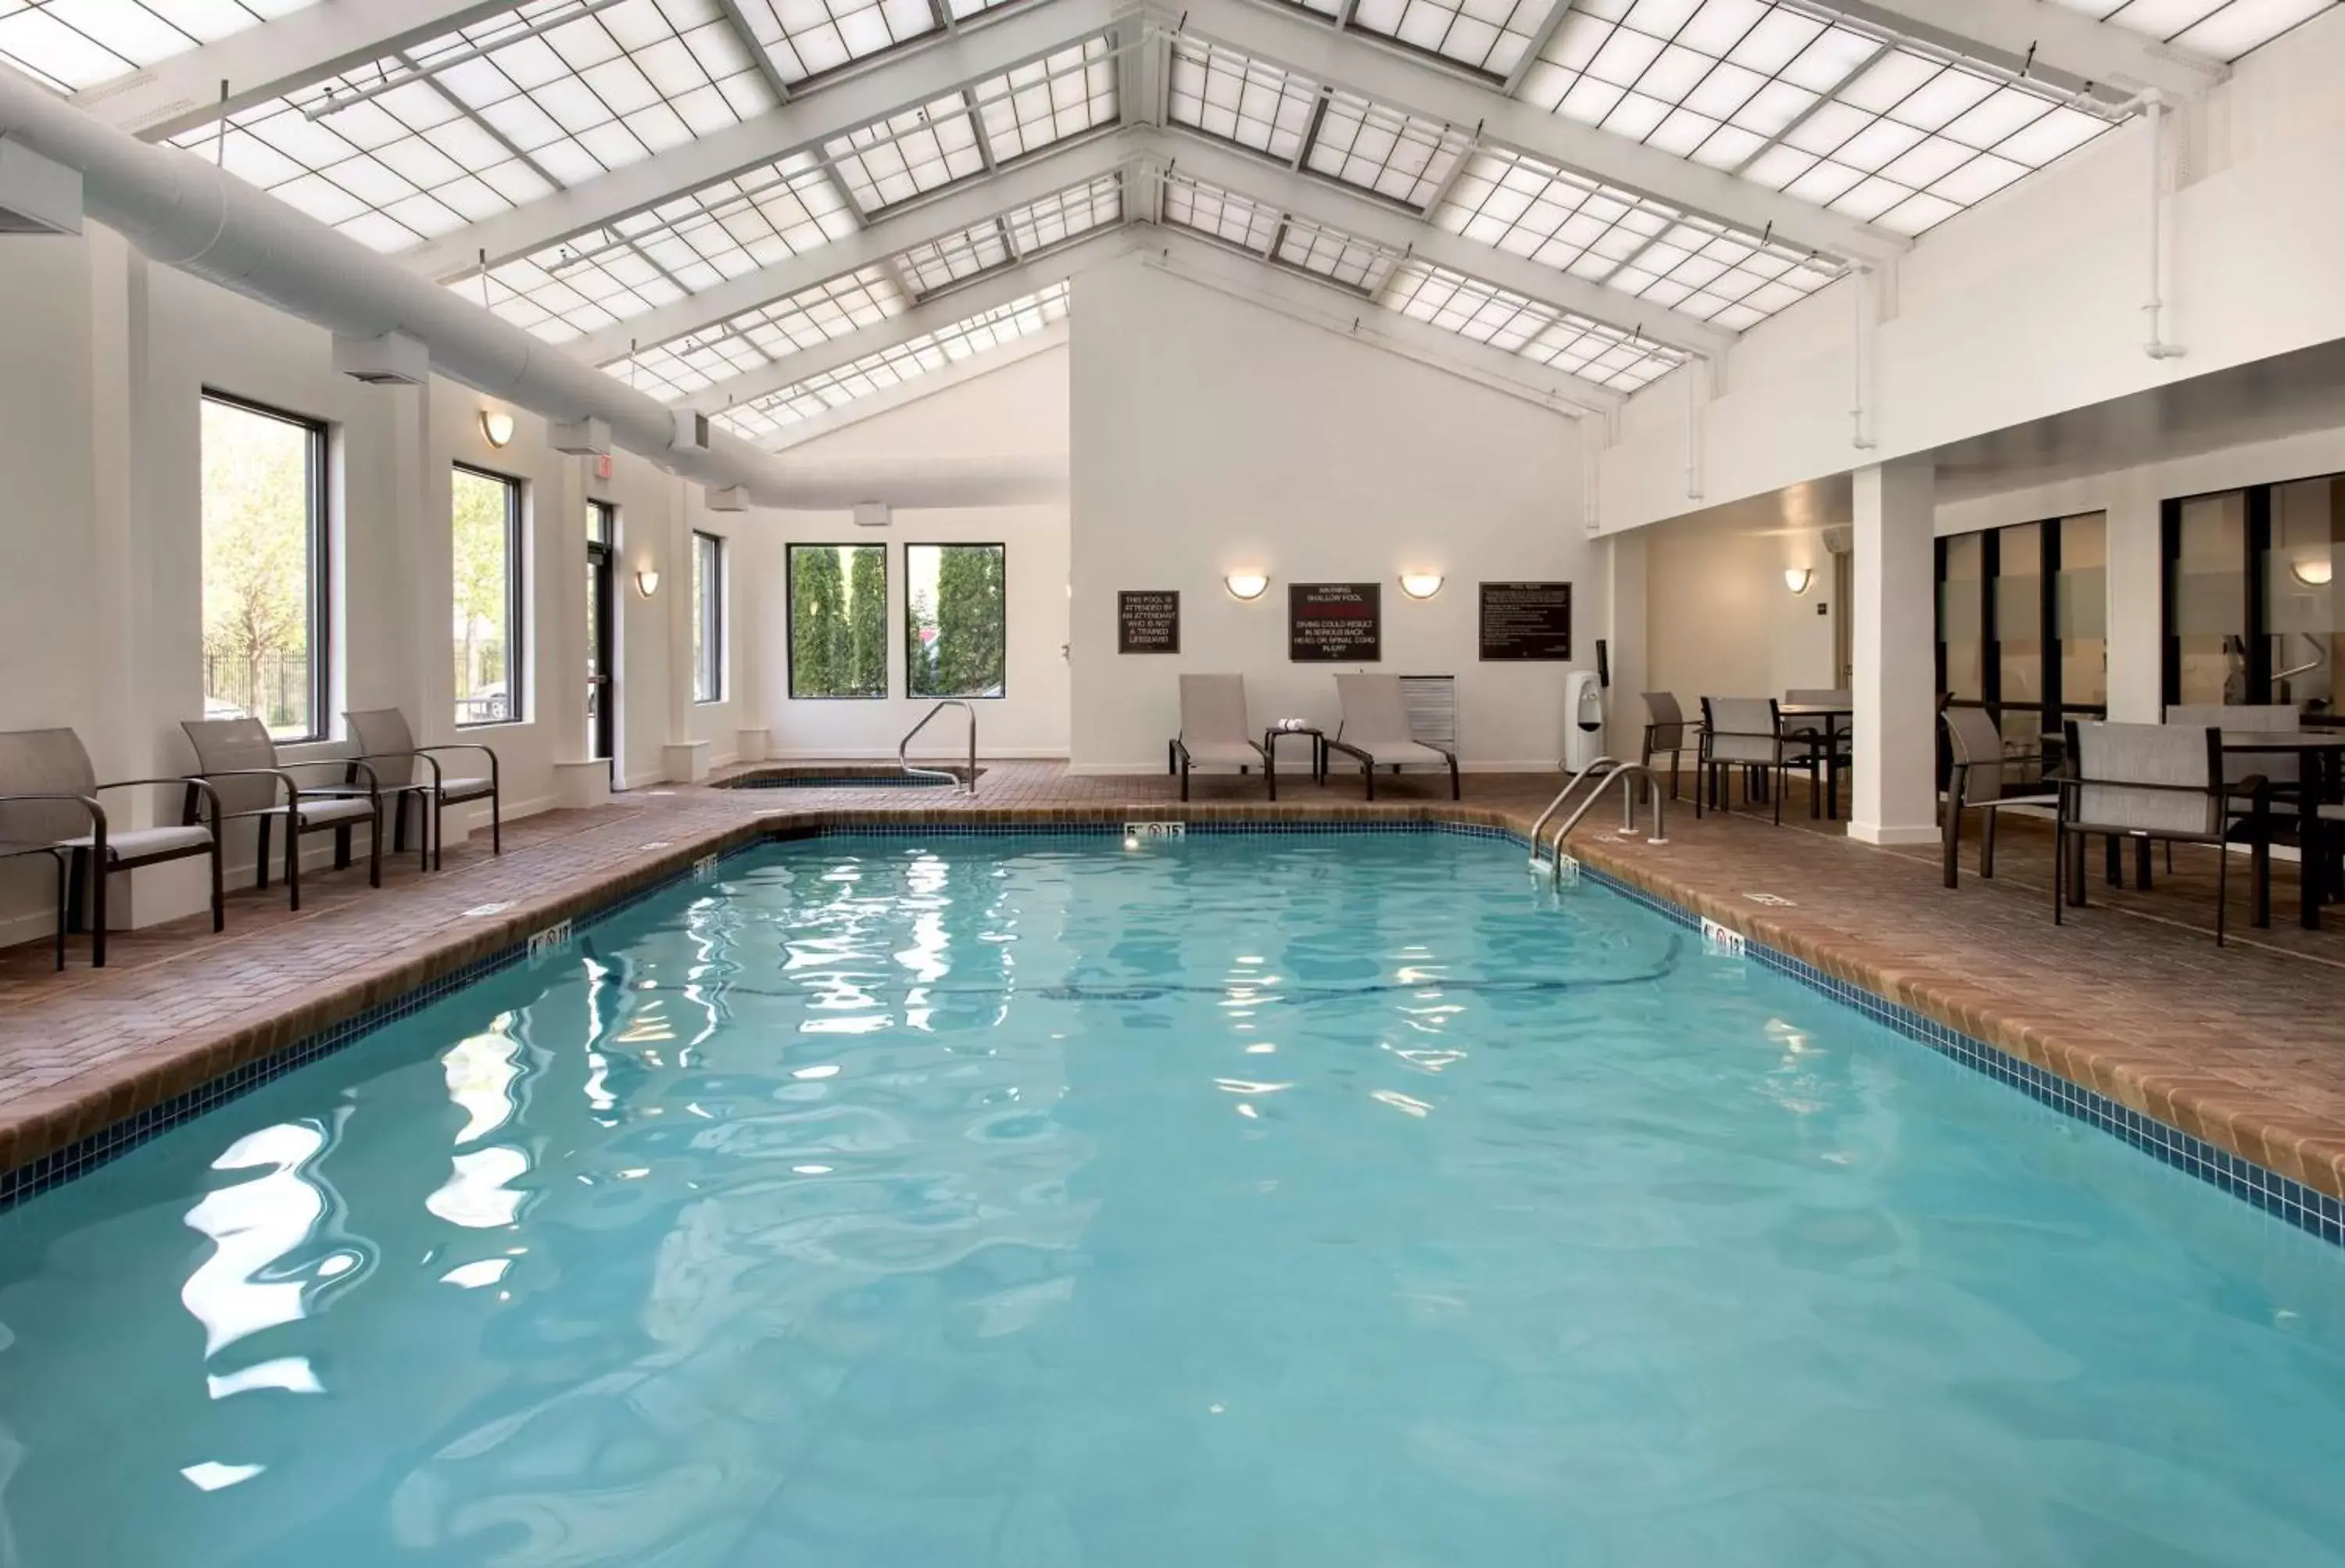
(1831, 744)
(1747, 732)
(2157, 783)
(1667, 729)
(49, 806)
(2277, 770)
(1213, 731)
(1979, 778)
(387, 745)
(1374, 731)
(236, 758)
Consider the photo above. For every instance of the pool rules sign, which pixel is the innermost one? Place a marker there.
(1334, 623)
(1148, 621)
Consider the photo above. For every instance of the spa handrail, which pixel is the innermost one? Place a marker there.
(1627, 774)
(904, 747)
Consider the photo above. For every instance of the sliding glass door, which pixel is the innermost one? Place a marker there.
(2252, 606)
(2023, 624)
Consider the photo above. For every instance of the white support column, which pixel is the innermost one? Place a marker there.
(2135, 631)
(1624, 620)
(1895, 797)
(684, 758)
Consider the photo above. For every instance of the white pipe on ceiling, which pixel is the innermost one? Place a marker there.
(187, 213)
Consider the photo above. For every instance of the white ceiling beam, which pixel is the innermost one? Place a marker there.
(962, 207)
(987, 292)
(1401, 79)
(1324, 203)
(959, 372)
(1556, 12)
(277, 57)
(903, 79)
(2067, 48)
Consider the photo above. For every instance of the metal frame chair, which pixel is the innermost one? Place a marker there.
(1976, 784)
(1374, 731)
(226, 751)
(384, 738)
(1666, 728)
(2152, 783)
(1214, 730)
(1745, 732)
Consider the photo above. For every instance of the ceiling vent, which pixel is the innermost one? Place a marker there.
(731, 498)
(37, 195)
(587, 438)
(873, 514)
(691, 431)
(393, 359)
(1839, 538)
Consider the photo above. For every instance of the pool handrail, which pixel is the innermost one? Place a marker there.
(903, 749)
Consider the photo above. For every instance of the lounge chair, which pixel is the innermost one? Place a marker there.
(1747, 732)
(1980, 765)
(1376, 731)
(49, 806)
(236, 758)
(1214, 730)
(2152, 782)
(387, 744)
(1667, 729)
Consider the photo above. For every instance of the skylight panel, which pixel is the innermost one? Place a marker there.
(1579, 224)
(908, 154)
(1355, 263)
(1221, 214)
(2217, 29)
(682, 247)
(694, 362)
(1240, 100)
(70, 45)
(1066, 214)
(494, 115)
(766, 417)
(1047, 100)
(1881, 128)
(956, 258)
(1486, 35)
(806, 38)
(1487, 313)
(1386, 150)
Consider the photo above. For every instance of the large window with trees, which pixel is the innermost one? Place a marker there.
(2251, 609)
(487, 537)
(2023, 624)
(265, 602)
(707, 617)
(839, 620)
(956, 622)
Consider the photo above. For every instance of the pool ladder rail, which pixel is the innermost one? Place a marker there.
(1594, 777)
(962, 785)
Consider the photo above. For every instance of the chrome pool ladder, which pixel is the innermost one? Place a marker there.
(962, 786)
(1594, 777)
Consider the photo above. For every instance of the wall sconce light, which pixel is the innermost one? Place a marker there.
(1797, 578)
(498, 426)
(2313, 571)
(647, 582)
(1420, 585)
(1247, 586)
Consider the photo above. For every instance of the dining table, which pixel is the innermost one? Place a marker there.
(1831, 714)
(2318, 753)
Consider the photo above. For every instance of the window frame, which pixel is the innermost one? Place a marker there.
(516, 594)
(709, 623)
(910, 546)
(2053, 709)
(789, 619)
(603, 559)
(2256, 564)
(320, 504)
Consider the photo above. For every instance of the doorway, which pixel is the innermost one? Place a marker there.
(602, 635)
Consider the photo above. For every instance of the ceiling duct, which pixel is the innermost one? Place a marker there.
(186, 213)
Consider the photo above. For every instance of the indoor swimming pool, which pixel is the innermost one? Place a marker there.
(1241, 1200)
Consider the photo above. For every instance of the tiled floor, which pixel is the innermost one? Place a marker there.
(2244, 1046)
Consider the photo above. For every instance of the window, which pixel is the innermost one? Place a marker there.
(486, 535)
(2251, 607)
(265, 605)
(707, 619)
(2023, 624)
(602, 649)
(839, 620)
(955, 620)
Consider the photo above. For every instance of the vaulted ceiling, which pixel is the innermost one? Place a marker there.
(770, 210)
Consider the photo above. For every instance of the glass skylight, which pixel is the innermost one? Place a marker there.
(1238, 99)
(495, 114)
(1355, 263)
(682, 247)
(1489, 35)
(1642, 247)
(1385, 151)
(804, 39)
(1047, 100)
(940, 263)
(1224, 214)
(767, 416)
(1849, 119)
(1062, 216)
(70, 45)
(1504, 320)
(694, 362)
(2218, 29)
(901, 156)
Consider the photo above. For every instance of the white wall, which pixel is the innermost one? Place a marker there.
(1211, 436)
(1719, 621)
(1016, 412)
(2032, 304)
(103, 361)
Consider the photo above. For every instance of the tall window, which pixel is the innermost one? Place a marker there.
(2252, 611)
(839, 620)
(955, 620)
(707, 619)
(2023, 624)
(488, 581)
(265, 579)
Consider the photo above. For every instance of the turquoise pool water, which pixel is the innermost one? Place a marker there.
(1246, 1200)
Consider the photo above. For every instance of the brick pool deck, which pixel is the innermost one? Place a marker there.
(2243, 1046)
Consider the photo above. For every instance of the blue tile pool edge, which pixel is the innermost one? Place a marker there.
(2290, 1201)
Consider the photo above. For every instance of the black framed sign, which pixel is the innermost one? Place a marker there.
(1526, 621)
(1148, 621)
(1334, 623)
